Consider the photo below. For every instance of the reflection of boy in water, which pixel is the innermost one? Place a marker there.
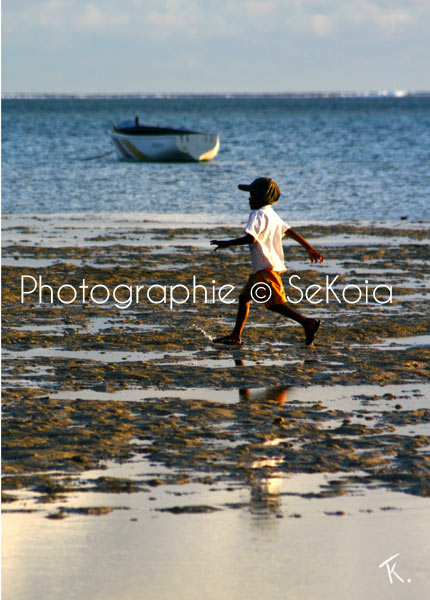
(264, 234)
(274, 394)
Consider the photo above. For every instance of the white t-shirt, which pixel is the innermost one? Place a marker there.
(268, 230)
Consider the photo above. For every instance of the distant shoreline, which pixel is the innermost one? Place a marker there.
(238, 95)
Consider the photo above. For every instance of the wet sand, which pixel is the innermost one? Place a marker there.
(90, 390)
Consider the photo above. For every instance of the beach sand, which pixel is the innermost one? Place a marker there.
(131, 418)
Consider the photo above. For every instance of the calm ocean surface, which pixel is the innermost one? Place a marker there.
(335, 159)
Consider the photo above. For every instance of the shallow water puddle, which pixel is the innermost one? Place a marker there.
(175, 540)
(218, 487)
(337, 397)
(109, 356)
(405, 342)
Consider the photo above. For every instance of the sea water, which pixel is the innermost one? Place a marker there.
(335, 159)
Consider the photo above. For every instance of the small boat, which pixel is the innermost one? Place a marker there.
(135, 141)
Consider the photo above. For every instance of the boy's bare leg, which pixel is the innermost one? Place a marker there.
(310, 325)
(241, 317)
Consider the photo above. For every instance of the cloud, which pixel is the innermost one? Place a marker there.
(321, 24)
(386, 17)
(323, 17)
(170, 17)
(65, 15)
(258, 7)
(93, 17)
(222, 44)
(195, 19)
(51, 13)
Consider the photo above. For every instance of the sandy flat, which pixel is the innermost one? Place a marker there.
(131, 416)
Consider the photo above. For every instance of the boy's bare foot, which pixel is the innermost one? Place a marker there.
(311, 330)
(229, 340)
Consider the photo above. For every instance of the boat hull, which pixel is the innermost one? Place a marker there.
(170, 147)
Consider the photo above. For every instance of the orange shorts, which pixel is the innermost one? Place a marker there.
(264, 287)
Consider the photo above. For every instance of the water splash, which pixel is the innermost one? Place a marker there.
(206, 335)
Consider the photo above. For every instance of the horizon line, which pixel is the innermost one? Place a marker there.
(311, 94)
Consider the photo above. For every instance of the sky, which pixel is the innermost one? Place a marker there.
(214, 46)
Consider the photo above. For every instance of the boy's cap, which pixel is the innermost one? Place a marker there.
(264, 188)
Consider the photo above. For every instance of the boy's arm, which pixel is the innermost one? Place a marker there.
(314, 255)
(242, 241)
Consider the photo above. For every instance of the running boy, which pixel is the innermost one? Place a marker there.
(264, 234)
